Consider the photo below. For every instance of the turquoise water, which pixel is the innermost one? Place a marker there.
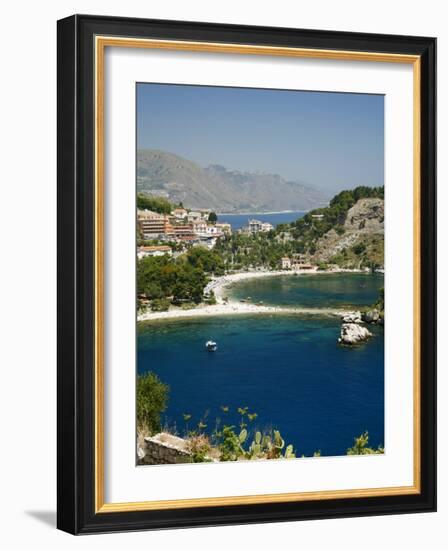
(287, 369)
(312, 290)
(239, 220)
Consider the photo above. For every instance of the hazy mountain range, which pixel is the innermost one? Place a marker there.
(221, 189)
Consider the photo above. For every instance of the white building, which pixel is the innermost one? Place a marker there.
(179, 213)
(225, 228)
(256, 226)
(203, 229)
(144, 251)
(195, 216)
(266, 227)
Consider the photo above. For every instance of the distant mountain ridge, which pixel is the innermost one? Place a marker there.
(180, 180)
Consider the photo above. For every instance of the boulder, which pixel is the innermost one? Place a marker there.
(353, 333)
(352, 317)
(164, 448)
(371, 316)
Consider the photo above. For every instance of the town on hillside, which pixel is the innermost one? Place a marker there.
(185, 228)
(182, 251)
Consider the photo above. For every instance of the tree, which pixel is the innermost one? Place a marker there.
(152, 398)
(212, 217)
(156, 204)
(205, 259)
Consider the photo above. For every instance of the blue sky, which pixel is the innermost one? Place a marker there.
(331, 140)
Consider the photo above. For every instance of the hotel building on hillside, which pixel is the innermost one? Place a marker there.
(183, 230)
(153, 224)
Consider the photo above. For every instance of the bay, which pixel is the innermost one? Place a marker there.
(288, 369)
(237, 221)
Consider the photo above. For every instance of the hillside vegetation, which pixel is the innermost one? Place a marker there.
(348, 233)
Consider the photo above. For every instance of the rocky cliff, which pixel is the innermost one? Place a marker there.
(359, 239)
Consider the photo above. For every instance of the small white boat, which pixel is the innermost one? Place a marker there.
(211, 346)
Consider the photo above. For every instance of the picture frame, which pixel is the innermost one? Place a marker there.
(82, 42)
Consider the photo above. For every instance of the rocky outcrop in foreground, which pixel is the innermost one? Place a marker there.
(164, 448)
(353, 333)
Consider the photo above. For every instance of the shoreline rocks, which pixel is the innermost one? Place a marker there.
(352, 317)
(353, 333)
(372, 316)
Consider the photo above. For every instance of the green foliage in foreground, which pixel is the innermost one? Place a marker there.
(246, 442)
(361, 446)
(235, 445)
(229, 443)
(152, 398)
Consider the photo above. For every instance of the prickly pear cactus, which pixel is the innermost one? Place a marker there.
(278, 441)
(243, 436)
(289, 452)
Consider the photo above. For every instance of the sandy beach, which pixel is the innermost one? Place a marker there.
(235, 308)
(219, 285)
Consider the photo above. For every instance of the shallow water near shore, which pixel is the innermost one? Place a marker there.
(288, 369)
(319, 290)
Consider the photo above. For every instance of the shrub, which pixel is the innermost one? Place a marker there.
(160, 304)
(152, 398)
(359, 248)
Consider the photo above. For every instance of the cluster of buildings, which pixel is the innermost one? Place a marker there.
(256, 226)
(182, 226)
(297, 262)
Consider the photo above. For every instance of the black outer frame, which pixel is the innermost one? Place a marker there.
(75, 403)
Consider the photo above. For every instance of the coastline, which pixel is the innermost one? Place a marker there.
(235, 308)
(259, 213)
(219, 285)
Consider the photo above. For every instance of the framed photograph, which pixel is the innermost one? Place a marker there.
(246, 274)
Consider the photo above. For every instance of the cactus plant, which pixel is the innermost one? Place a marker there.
(278, 441)
(243, 436)
(289, 452)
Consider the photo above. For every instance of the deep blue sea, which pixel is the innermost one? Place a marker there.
(238, 220)
(288, 369)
